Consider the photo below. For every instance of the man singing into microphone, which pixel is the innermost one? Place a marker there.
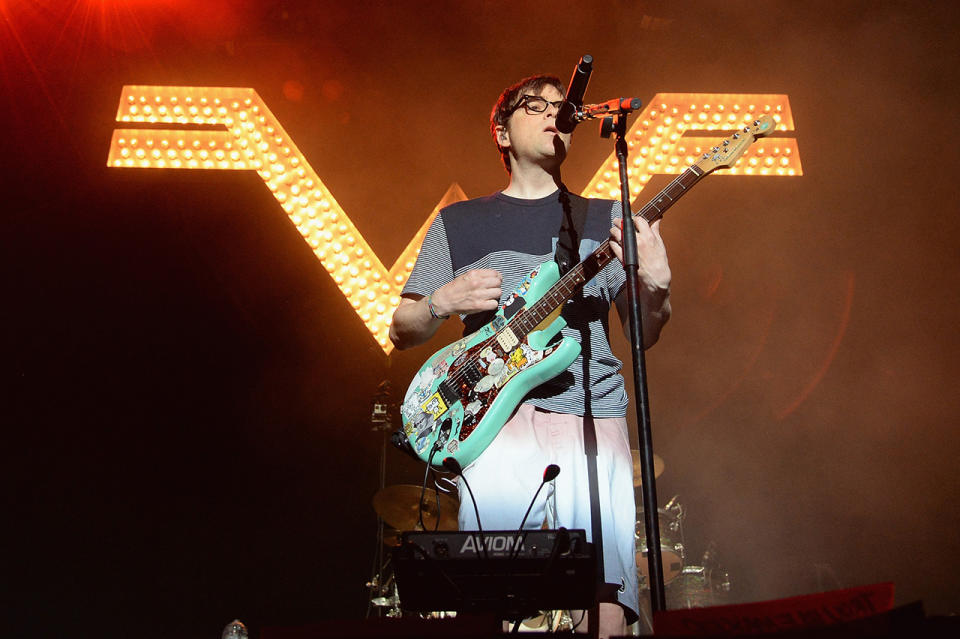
(475, 255)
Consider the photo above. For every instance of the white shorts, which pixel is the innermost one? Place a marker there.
(506, 476)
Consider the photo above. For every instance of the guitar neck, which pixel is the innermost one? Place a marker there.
(583, 272)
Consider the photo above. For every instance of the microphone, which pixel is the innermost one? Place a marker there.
(451, 464)
(566, 115)
(549, 474)
(618, 105)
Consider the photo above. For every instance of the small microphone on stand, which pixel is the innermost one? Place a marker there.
(451, 464)
(549, 474)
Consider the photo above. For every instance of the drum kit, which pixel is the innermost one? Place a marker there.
(409, 507)
(686, 586)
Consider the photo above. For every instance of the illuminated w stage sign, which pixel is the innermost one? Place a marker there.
(667, 136)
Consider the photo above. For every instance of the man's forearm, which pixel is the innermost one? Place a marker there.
(654, 320)
(655, 305)
(413, 324)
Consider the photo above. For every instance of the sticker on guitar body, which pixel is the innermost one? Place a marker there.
(499, 371)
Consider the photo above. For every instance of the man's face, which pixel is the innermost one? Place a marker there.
(533, 137)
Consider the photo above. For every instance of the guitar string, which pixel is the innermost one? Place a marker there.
(567, 279)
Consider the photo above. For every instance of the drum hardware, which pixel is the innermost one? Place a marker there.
(387, 602)
(698, 587)
(384, 594)
(671, 542)
(548, 621)
(382, 590)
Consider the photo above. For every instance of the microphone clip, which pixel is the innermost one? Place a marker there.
(610, 107)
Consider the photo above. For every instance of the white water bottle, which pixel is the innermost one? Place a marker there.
(234, 630)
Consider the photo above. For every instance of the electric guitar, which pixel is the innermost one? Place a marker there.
(464, 394)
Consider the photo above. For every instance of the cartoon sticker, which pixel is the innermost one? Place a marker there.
(424, 428)
(518, 358)
(435, 406)
(485, 384)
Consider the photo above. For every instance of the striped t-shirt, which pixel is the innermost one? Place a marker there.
(514, 236)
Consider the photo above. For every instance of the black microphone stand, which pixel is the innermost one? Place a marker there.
(648, 486)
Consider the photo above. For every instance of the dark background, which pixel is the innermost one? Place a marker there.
(186, 410)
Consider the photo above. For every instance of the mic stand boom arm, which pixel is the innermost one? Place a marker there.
(617, 124)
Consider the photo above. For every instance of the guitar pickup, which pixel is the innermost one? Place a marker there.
(471, 374)
(507, 339)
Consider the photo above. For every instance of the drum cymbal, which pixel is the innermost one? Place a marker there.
(397, 505)
(658, 466)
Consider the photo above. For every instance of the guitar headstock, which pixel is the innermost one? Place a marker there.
(726, 154)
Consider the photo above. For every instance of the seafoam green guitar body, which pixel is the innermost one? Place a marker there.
(465, 393)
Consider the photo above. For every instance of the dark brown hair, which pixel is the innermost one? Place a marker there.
(508, 100)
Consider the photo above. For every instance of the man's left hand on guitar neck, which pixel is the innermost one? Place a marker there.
(654, 271)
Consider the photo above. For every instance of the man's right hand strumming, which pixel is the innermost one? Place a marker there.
(414, 322)
(474, 291)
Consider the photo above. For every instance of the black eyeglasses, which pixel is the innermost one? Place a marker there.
(535, 104)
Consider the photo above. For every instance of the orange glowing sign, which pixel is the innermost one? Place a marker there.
(251, 138)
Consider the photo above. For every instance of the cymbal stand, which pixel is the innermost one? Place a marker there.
(382, 589)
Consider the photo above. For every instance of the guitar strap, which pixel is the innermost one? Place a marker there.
(567, 255)
(571, 230)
